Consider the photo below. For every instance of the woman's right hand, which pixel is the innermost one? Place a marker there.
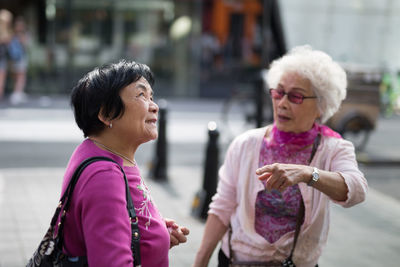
(280, 176)
(177, 233)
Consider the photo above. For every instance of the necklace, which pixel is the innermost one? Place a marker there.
(114, 152)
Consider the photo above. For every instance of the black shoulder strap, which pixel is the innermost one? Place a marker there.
(299, 221)
(66, 199)
(315, 147)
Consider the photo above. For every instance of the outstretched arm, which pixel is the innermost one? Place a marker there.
(280, 176)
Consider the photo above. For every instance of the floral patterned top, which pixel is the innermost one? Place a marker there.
(276, 212)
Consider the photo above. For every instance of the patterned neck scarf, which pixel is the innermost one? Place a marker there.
(287, 147)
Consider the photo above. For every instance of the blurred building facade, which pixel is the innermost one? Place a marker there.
(192, 46)
(198, 48)
(358, 31)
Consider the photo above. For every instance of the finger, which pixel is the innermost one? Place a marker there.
(173, 241)
(264, 176)
(185, 230)
(168, 221)
(278, 183)
(272, 182)
(182, 238)
(171, 224)
(283, 186)
(179, 236)
(266, 168)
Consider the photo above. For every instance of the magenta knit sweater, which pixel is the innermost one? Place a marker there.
(97, 224)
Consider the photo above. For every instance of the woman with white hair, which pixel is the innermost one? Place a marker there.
(276, 184)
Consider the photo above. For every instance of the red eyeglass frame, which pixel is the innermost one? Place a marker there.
(295, 98)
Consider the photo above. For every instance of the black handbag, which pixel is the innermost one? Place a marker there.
(49, 253)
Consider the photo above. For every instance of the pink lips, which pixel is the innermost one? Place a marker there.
(283, 118)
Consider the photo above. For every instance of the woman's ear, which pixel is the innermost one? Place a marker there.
(319, 113)
(319, 119)
(107, 122)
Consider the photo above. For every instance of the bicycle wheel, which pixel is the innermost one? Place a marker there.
(239, 113)
(357, 130)
(236, 115)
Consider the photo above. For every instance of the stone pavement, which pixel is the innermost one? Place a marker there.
(365, 235)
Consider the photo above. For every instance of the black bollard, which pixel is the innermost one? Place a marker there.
(202, 198)
(159, 166)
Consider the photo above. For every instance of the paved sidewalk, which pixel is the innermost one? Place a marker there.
(366, 235)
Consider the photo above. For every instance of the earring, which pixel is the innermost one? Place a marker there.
(110, 125)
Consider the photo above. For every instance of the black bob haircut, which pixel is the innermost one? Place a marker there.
(100, 90)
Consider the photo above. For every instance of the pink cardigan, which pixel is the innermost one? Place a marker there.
(97, 224)
(238, 186)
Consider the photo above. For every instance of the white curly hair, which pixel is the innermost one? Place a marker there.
(328, 79)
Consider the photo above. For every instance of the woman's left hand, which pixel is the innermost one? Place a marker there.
(280, 176)
(177, 233)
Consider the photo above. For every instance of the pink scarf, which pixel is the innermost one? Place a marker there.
(280, 138)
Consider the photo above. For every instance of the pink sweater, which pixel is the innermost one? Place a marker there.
(237, 190)
(97, 224)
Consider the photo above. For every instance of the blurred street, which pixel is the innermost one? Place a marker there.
(36, 141)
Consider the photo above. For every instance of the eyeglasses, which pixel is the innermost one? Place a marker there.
(293, 97)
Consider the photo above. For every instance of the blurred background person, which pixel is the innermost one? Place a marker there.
(6, 18)
(17, 50)
(278, 181)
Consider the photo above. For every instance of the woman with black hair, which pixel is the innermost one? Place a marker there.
(113, 106)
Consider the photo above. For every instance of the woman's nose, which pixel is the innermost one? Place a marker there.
(154, 107)
(283, 101)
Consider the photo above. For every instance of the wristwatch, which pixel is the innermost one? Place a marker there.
(314, 177)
